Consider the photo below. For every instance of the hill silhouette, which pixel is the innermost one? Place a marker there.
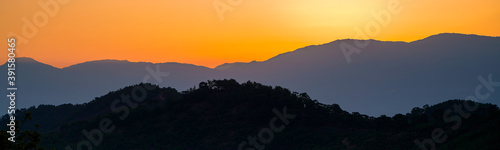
(224, 114)
(384, 78)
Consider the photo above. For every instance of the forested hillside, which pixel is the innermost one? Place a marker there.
(224, 114)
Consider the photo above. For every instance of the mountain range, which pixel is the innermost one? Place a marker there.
(383, 77)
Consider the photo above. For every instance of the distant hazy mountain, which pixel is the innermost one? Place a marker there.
(384, 78)
(43, 84)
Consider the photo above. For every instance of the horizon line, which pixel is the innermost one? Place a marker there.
(125, 60)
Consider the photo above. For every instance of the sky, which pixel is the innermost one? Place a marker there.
(212, 32)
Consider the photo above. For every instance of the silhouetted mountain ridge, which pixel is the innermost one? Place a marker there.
(392, 76)
(222, 114)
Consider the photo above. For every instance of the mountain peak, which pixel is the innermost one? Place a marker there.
(104, 61)
(26, 60)
(451, 36)
(108, 61)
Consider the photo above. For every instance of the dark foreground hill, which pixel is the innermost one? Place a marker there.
(224, 114)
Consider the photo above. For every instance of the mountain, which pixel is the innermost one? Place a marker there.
(42, 84)
(224, 114)
(383, 78)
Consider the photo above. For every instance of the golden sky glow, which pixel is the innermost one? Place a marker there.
(191, 31)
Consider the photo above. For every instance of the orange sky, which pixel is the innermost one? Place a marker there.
(191, 31)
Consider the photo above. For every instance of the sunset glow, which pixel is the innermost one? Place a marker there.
(191, 31)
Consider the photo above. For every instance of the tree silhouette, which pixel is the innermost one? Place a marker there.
(25, 140)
